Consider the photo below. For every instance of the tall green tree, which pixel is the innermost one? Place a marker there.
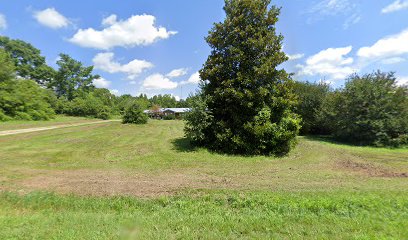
(250, 100)
(28, 61)
(72, 78)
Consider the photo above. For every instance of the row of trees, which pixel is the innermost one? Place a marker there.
(32, 90)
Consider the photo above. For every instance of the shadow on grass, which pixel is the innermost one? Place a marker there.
(183, 145)
(330, 139)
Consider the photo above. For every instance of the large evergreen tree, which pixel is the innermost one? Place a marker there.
(249, 99)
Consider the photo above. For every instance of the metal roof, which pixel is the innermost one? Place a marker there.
(176, 110)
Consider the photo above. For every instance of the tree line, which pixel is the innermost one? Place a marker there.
(32, 90)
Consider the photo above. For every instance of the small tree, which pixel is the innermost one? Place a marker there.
(134, 114)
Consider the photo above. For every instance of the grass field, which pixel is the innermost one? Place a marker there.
(110, 181)
(59, 120)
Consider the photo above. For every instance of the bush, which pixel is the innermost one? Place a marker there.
(197, 120)
(24, 100)
(134, 114)
(311, 99)
(371, 110)
(169, 117)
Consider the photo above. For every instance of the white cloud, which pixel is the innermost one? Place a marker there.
(194, 79)
(114, 92)
(106, 62)
(331, 63)
(177, 73)
(51, 18)
(387, 47)
(395, 6)
(394, 60)
(3, 22)
(353, 19)
(158, 81)
(138, 30)
(108, 21)
(101, 83)
(295, 56)
(402, 81)
(331, 8)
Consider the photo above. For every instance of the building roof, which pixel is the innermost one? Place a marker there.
(176, 110)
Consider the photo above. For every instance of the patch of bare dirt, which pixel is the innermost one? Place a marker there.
(109, 183)
(370, 170)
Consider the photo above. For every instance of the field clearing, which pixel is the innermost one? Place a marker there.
(122, 181)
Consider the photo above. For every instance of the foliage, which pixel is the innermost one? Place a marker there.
(169, 117)
(25, 100)
(72, 78)
(28, 61)
(249, 99)
(197, 120)
(7, 69)
(93, 104)
(134, 114)
(371, 109)
(311, 99)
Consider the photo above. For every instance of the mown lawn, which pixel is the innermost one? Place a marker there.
(58, 120)
(120, 181)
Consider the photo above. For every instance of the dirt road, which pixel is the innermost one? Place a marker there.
(28, 130)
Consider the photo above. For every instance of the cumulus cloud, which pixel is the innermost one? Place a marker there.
(394, 60)
(114, 92)
(138, 30)
(177, 73)
(101, 83)
(51, 18)
(395, 6)
(295, 56)
(387, 47)
(105, 61)
(3, 22)
(193, 79)
(158, 81)
(402, 81)
(332, 63)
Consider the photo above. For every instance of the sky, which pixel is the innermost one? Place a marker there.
(158, 46)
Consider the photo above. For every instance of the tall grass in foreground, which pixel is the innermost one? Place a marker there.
(206, 215)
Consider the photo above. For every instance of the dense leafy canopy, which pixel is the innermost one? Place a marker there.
(28, 60)
(72, 78)
(371, 109)
(248, 97)
(134, 114)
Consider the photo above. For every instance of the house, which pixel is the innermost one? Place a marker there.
(177, 112)
(162, 112)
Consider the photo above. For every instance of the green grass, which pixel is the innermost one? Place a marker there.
(320, 190)
(58, 120)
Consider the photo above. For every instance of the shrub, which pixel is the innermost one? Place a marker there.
(371, 110)
(134, 114)
(311, 99)
(197, 120)
(24, 100)
(169, 117)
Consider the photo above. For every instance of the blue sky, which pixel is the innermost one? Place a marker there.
(158, 46)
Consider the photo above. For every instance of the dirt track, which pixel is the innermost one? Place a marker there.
(28, 130)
